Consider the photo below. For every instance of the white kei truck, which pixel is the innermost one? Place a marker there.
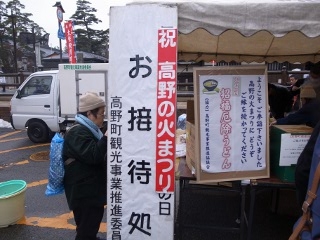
(47, 101)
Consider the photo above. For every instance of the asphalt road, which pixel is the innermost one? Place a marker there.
(48, 218)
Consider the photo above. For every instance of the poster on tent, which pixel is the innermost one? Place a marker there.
(233, 122)
(141, 124)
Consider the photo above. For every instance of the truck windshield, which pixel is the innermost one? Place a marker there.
(37, 85)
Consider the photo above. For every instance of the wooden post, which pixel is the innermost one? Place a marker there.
(284, 75)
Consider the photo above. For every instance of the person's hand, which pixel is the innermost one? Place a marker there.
(273, 123)
(106, 133)
(104, 128)
(295, 88)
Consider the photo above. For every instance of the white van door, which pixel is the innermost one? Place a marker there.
(36, 100)
(77, 79)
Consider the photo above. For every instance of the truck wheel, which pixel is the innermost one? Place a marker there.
(38, 132)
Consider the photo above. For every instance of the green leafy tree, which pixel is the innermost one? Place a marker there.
(13, 22)
(87, 38)
(101, 43)
(6, 56)
(22, 21)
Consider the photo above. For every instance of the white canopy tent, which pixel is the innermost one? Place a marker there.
(248, 30)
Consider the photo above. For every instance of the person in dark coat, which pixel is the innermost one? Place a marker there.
(303, 166)
(280, 100)
(314, 78)
(308, 114)
(304, 182)
(85, 180)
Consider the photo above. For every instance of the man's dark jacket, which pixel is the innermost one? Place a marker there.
(309, 114)
(304, 165)
(85, 177)
(280, 100)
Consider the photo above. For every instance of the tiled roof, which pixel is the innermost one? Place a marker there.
(86, 55)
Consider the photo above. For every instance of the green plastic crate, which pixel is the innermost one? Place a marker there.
(285, 173)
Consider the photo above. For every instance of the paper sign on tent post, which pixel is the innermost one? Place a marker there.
(229, 129)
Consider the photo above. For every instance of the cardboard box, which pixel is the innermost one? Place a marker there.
(193, 131)
(285, 173)
(190, 137)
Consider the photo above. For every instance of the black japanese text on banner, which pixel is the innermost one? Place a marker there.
(142, 110)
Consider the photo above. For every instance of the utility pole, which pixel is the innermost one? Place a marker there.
(60, 46)
(35, 68)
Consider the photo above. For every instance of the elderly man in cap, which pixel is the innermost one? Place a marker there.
(84, 151)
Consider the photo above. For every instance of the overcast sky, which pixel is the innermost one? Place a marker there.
(45, 15)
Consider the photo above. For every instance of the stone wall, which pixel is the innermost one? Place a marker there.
(5, 113)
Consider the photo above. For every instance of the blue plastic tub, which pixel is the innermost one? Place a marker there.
(12, 201)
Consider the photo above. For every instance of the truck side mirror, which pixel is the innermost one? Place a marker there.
(18, 94)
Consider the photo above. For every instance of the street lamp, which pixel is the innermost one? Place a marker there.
(60, 12)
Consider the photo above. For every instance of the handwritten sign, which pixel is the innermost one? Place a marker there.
(291, 148)
(232, 122)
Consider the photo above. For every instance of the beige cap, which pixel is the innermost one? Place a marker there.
(90, 101)
(307, 92)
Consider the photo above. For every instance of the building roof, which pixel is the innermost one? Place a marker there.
(46, 51)
(86, 55)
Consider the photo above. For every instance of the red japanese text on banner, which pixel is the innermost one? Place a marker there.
(166, 109)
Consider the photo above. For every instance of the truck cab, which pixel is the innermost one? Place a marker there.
(35, 105)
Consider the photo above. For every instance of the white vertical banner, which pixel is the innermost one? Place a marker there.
(142, 113)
